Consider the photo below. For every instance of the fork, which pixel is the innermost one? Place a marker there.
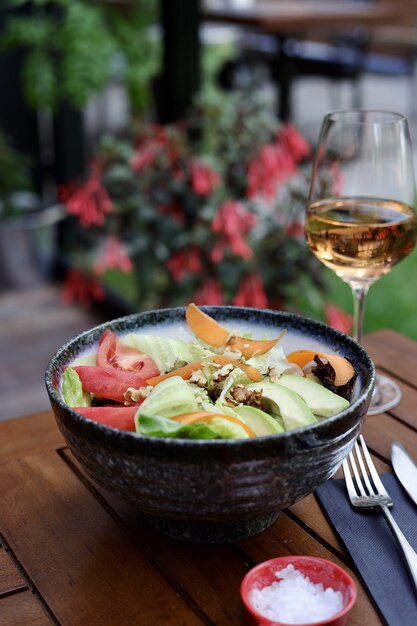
(366, 491)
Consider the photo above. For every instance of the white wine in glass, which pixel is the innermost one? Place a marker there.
(361, 216)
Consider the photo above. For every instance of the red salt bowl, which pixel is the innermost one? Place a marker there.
(316, 569)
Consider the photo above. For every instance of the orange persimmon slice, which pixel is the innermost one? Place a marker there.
(344, 370)
(186, 371)
(212, 333)
(249, 370)
(193, 418)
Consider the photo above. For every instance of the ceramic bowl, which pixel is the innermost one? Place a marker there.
(316, 570)
(217, 490)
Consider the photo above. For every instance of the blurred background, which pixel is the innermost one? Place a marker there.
(156, 152)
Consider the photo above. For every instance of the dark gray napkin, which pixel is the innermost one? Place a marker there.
(373, 548)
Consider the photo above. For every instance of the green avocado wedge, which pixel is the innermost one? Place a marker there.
(319, 399)
(260, 422)
(283, 402)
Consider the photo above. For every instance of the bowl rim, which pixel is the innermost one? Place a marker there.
(286, 560)
(109, 431)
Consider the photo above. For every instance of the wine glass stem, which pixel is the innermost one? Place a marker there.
(359, 295)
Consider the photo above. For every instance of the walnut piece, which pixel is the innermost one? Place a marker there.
(222, 373)
(198, 378)
(251, 397)
(274, 374)
(133, 395)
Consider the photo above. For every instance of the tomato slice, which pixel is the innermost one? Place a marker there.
(109, 382)
(106, 349)
(113, 353)
(121, 417)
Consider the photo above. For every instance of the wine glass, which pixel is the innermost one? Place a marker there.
(360, 217)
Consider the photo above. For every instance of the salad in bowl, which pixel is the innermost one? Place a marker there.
(210, 420)
(217, 383)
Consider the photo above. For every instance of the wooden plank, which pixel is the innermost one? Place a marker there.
(22, 609)
(395, 353)
(85, 568)
(194, 566)
(381, 430)
(284, 538)
(406, 411)
(10, 577)
(29, 435)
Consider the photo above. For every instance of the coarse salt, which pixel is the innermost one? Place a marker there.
(294, 599)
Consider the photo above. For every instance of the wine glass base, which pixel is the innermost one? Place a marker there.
(386, 396)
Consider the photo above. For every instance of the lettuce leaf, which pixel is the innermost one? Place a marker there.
(156, 426)
(72, 390)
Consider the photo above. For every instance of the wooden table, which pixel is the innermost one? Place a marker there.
(302, 15)
(284, 19)
(71, 554)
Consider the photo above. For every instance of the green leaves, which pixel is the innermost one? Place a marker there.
(73, 48)
(86, 50)
(72, 389)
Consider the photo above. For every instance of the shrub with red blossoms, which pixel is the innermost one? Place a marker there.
(213, 216)
(90, 202)
(251, 292)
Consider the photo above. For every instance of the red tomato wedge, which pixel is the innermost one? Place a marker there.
(121, 417)
(114, 354)
(109, 382)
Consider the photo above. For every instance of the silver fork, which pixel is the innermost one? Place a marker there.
(366, 491)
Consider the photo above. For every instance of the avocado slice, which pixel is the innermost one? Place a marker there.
(319, 399)
(281, 401)
(260, 422)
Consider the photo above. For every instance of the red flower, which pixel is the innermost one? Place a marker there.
(268, 170)
(295, 230)
(143, 157)
(295, 143)
(203, 179)
(232, 222)
(148, 146)
(78, 287)
(209, 293)
(187, 260)
(339, 319)
(174, 209)
(89, 202)
(113, 255)
(251, 292)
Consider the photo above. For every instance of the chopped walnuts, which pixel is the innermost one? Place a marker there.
(198, 378)
(242, 395)
(133, 395)
(223, 372)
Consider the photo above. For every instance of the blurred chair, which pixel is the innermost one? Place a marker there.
(339, 58)
(395, 55)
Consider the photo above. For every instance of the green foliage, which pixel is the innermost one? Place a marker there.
(14, 175)
(184, 213)
(72, 48)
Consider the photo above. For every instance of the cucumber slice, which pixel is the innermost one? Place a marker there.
(228, 430)
(170, 397)
(166, 352)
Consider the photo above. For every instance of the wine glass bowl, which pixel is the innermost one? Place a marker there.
(360, 216)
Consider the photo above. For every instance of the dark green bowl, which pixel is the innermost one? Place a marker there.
(216, 490)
